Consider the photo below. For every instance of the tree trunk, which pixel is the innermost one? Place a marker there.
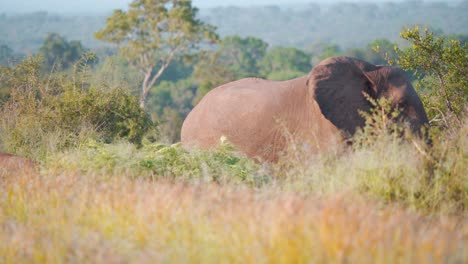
(144, 87)
(142, 101)
(149, 81)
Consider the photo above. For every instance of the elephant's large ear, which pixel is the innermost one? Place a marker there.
(338, 85)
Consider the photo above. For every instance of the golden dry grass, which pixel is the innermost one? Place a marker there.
(70, 218)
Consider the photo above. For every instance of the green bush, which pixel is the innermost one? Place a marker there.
(59, 111)
(159, 161)
(381, 120)
(442, 67)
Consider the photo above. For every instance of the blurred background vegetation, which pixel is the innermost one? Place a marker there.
(273, 42)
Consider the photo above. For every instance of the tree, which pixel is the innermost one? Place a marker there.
(382, 47)
(321, 51)
(152, 33)
(442, 65)
(56, 112)
(235, 58)
(242, 55)
(285, 63)
(56, 50)
(460, 37)
(7, 55)
(377, 52)
(171, 102)
(210, 72)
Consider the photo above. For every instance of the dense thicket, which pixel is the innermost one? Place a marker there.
(44, 114)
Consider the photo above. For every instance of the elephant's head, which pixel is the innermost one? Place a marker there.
(339, 85)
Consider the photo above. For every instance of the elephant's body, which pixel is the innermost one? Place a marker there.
(259, 116)
(263, 117)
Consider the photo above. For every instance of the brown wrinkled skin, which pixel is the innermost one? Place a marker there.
(263, 118)
(259, 117)
(10, 165)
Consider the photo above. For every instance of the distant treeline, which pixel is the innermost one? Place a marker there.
(303, 26)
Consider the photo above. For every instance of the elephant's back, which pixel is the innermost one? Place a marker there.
(230, 110)
(241, 87)
(250, 89)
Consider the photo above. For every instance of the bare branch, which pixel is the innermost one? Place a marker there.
(422, 152)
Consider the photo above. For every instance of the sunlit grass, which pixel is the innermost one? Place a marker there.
(98, 219)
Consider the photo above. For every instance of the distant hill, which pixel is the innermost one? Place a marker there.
(345, 24)
(25, 33)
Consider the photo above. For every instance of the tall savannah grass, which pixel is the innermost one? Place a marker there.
(71, 218)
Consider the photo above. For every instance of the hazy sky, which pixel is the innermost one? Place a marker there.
(97, 6)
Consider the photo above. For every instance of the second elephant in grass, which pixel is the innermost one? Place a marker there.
(262, 117)
(12, 165)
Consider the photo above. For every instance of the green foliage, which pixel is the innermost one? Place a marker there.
(151, 34)
(59, 53)
(235, 58)
(377, 52)
(285, 63)
(442, 65)
(210, 72)
(381, 120)
(322, 51)
(61, 111)
(8, 56)
(242, 55)
(380, 47)
(114, 71)
(460, 37)
(160, 161)
(171, 102)
(178, 70)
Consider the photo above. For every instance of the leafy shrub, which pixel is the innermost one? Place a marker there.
(59, 111)
(442, 66)
(158, 161)
(59, 53)
(381, 120)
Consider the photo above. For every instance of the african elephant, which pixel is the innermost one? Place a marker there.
(260, 117)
